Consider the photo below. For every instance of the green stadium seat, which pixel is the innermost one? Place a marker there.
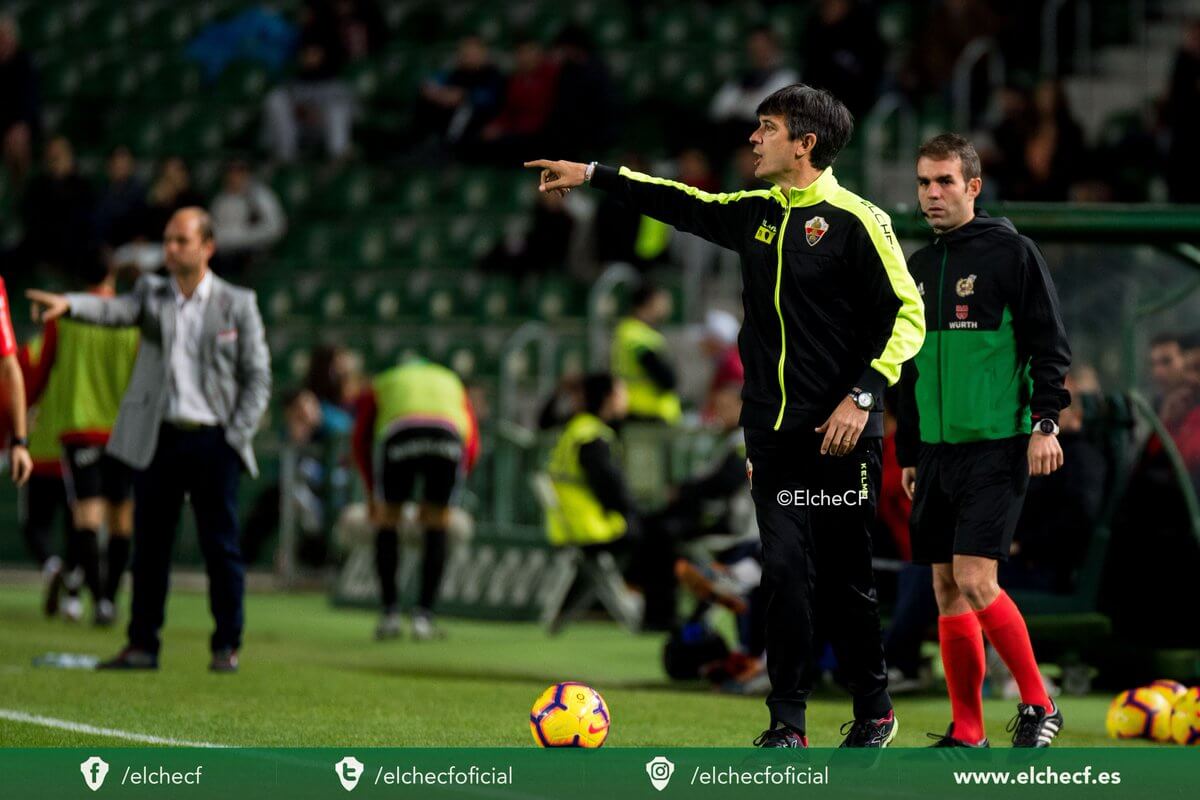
(295, 186)
(497, 300)
(144, 135)
(117, 80)
(418, 192)
(571, 355)
(106, 25)
(555, 299)
(350, 191)
(314, 245)
(173, 80)
(170, 27)
(243, 81)
(674, 25)
(61, 79)
(367, 244)
(44, 25)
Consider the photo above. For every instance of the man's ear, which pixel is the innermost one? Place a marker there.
(805, 145)
(974, 186)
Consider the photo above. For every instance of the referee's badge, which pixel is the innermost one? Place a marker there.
(814, 229)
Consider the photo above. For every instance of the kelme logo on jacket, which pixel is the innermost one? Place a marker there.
(814, 229)
(766, 232)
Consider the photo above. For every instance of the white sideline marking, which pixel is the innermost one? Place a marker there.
(79, 727)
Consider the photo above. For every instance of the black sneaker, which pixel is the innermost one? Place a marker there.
(130, 659)
(1033, 727)
(781, 737)
(870, 732)
(224, 660)
(948, 740)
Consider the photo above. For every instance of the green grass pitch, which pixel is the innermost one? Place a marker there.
(312, 676)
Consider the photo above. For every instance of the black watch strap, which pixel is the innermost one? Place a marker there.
(18, 441)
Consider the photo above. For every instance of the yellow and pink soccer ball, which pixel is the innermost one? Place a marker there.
(1172, 691)
(1185, 718)
(1139, 714)
(569, 714)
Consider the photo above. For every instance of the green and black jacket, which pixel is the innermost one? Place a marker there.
(996, 353)
(829, 304)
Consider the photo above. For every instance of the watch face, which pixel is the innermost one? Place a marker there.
(864, 400)
(1046, 426)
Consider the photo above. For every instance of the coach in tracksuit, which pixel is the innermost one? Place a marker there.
(979, 415)
(830, 315)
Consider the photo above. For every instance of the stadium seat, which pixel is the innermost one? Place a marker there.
(349, 191)
(497, 300)
(243, 81)
(295, 186)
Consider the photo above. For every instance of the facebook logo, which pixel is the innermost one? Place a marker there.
(94, 770)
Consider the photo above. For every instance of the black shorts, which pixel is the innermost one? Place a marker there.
(434, 455)
(90, 473)
(968, 499)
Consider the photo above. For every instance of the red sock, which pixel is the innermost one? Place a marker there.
(962, 658)
(1005, 629)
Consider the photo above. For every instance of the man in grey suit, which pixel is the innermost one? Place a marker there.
(197, 394)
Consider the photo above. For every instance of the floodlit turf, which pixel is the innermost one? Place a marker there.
(312, 676)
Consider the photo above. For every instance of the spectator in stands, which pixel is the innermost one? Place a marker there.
(1054, 152)
(734, 105)
(1004, 159)
(743, 165)
(520, 127)
(948, 27)
(719, 343)
(58, 210)
(247, 219)
(694, 170)
(1183, 119)
(714, 502)
(170, 191)
(543, 247)
(455, 105)
(843, 53)
(20, 108)
(1180, 410)
(623, 236)
(362, 27)
(1167, 368)
(641, 357)
(122, 204)
(316, 97)
(585, 109)
(335, 380)
(563, 403)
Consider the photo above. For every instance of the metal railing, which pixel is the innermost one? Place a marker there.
(961, 82)
(601, 310)
(892, 106)
(1051, 12)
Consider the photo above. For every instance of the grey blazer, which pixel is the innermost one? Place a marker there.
(235, 365)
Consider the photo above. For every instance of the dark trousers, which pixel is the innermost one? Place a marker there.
(818, 584)
(199, 463)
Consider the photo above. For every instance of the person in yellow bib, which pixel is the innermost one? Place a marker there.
(641, 359)
(414, 424)
(594, 507)
(89, 368)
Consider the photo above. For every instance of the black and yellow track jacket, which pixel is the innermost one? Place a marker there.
(829, 304)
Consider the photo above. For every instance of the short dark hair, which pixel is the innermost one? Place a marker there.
(945, 145)
(597, 388)
(1166, 337)
(1190, 341)
(816, 111)
(643, 293)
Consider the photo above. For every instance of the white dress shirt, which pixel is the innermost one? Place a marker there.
(186, 402)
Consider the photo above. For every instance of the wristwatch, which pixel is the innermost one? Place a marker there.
(18, 441)
(587, 173)
(1046, 426)
(864, 400)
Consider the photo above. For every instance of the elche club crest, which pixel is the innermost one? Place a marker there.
(814, 229)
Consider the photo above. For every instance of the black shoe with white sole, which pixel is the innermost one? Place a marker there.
(949, 740)
(1033, 726)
